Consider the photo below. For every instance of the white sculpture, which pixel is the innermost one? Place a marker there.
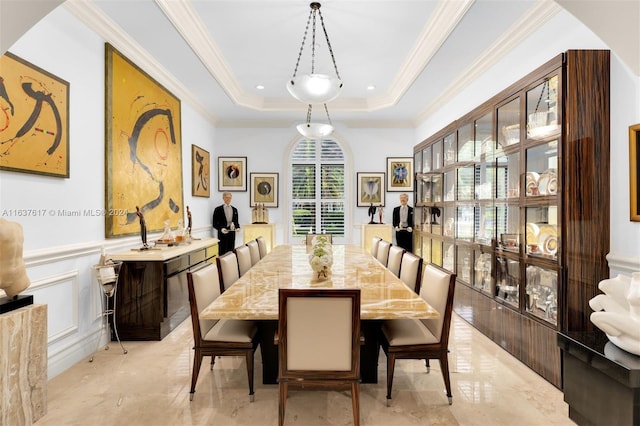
(13, 272)
(617, 311)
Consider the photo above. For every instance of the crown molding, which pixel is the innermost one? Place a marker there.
(94, 18)
(529, 23)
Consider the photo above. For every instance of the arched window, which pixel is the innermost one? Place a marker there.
(318, 188)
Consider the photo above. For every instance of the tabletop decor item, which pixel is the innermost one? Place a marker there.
(321, 256)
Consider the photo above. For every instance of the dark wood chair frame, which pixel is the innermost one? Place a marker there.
(213, 349)
(319, 378)
(437, 351)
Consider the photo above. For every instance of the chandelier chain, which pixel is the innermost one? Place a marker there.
(327, 111)
(313, 43)
(309, 114)
(304, 39)
(333, 59)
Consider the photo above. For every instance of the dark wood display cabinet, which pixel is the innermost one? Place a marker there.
(514, 198)
(152, 297)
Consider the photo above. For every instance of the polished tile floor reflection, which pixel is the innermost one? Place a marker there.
(150, 386)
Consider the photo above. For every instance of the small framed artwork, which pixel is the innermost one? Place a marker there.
(634, 172)
(370, 189)
(264, 189)
(399, 174)
(232, 174)
(34, 119)
(200, 172)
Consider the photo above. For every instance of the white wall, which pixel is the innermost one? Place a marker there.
(562, 33)
(59, 251)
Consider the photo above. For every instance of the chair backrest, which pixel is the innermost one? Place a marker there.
(243, 253)
(395, 259)
(310, 237)
(374, 246)
(262, 246)
(437, 290)
(411, 271)
(204, 287)
(383, 252)
(227, 270)
(314, 345)
(254, 249)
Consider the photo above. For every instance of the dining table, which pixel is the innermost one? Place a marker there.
(254, 296)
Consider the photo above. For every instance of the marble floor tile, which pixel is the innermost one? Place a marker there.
(150, 386)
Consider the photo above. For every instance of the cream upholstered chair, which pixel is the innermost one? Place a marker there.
(228, 271)
(411, 271)
(427, 338)
(319, 349)
(383, 252)
(243, 254)
(213, 338)
(262, 246)
(395, 259)
(375, 241)
(255, 251)
(309, 238)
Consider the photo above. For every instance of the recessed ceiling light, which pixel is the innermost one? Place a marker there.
(260, 87)
(371, 87)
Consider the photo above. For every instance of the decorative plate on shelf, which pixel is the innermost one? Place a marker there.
(548, 182)
(531, 183)
(548, 239)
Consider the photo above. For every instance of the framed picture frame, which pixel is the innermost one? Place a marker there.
(143, 149)
(34, 119)
(232, 174)
(400, 174)
(200, 172)
(370, 188)
(634, 173)
(264, 189)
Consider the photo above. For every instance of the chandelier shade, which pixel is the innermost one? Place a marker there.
(314, 87)
(315, 130)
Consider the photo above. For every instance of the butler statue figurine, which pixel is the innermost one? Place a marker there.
(403, 223)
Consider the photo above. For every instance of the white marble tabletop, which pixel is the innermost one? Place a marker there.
(255, 294)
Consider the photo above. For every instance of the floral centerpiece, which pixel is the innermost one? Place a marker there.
(321, 256)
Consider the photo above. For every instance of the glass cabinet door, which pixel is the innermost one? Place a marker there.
(466, 148)
(436, 156)
(484, 143)
(485, 181)
(436, 252)
(483, 271)
(509, 123)
(449, 223)
(508, 280)
(448, 259)
(436, 188)
(508, 176)
(541, 176)
(542, 293)
(486, 224)
(542, 109)
(465, 183)
(449, 149)
(426, 160)
(463, 263)
(508, 226)
(449, 185)
(465, 222)
(417, 162)
(435, 219)
(541, 231)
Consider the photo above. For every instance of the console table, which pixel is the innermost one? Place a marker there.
(152, 297)
(601, 382)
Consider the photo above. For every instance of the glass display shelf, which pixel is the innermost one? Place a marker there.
(509, 123)
(426, 159)
(508, 226)
(466, 145)
(541, 176)
(465, 183)
(485, 230)
(449, 222)
(485, 181)
(508, 280)
(465, 222)
(484, 143)
(436, 156)
(542, 293)
(508, 176)
(449, 185)
(463, 263)
(542, 109)
(483, 271)
(449, 146)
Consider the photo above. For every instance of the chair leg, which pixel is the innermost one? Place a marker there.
(355, 401)
(391, 365)
(282, 388)
(197, 362)
(426, 363)
(444, 366)
(213, 361)
(249, 357)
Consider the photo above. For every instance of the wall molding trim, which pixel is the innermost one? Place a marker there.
(622, 263)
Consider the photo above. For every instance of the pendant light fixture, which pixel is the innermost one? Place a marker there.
(314, 87)
(315, 130)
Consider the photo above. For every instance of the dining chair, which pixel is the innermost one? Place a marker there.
(262, 246)
(395, 259)
(254, 249)
(316, 349)
(243, 254)
(310, 237)
(411, 271)
(225, 337)
(383, 252)
(423, 338)
(228, 270)
(374, 246)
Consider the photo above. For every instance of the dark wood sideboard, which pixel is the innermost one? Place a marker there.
(152, 297)
(601, 382)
